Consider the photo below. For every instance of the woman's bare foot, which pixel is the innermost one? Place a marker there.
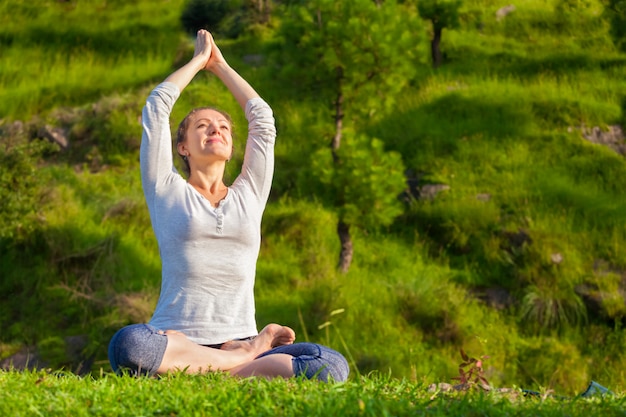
(283, 335)
(271, 336)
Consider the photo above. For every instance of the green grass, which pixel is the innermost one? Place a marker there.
(71, 53)
(56, 394)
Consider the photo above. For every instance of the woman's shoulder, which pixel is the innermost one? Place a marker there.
(257, 106)
(166, 91)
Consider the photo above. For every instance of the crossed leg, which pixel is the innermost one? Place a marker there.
(238, 357)
(310, 360)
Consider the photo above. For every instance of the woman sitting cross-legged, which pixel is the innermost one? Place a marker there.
(209, 240)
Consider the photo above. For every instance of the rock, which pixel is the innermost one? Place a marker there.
(75, 347)
(518, 239)
(613, 137)
(495, 297)
(13, 133)
(556, 258)
(430, 191)
(55, 135)
(25, 358)
(504, 12)
(253, 60)
(442, 386)
(417, 191)
(596, 297)
(445, 387)
(29, 357)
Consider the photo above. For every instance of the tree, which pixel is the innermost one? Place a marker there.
(356, 56)
(228, 18)
(260, 11)
(362, 181)
(442, 14)
(204, 14)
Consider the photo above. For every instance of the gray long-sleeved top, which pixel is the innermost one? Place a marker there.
(208, 253)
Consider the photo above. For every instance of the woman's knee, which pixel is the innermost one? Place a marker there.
(138, 349)
(332, 365)
(315, 361)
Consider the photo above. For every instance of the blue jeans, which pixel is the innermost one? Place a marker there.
(139, 349)
(314, 361)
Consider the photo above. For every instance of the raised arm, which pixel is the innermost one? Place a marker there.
(239, 88)
(202, 52)
(207, 56)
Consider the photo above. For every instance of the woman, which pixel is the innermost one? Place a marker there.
(209, 240)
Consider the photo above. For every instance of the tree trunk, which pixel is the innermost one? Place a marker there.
(434, 46)
(345, 255)
(336, 143)
(343, 229)
(262, 10)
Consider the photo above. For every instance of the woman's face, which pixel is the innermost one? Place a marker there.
(209, 137)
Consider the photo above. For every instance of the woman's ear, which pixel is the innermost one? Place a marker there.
(180, 147)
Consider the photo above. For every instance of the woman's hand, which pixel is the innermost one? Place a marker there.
(206, 56)
(217, 59)
(203, 47)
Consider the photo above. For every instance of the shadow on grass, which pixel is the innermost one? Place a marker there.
(512, 63)
(435, 129)
(65, 282)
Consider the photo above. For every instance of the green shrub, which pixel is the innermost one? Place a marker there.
(555, 364)
(21, 197)
(216, 16)
(616, 13)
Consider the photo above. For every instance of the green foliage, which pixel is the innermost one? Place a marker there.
(366, 183)
(555, 361)
(356, 49)
(358, 77)
(21, 199)
(604, 287)
(88, 270)
(217, 16)
(615, 11)
(442, 13)
(224, 18)
(101, 134)
(471, 372)
(548, 307)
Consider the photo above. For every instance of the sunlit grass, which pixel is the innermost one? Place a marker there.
(74, 80)
(57, 53)
(41, 393)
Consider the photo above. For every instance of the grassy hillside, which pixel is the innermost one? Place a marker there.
(521, 257)
(69, 53)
